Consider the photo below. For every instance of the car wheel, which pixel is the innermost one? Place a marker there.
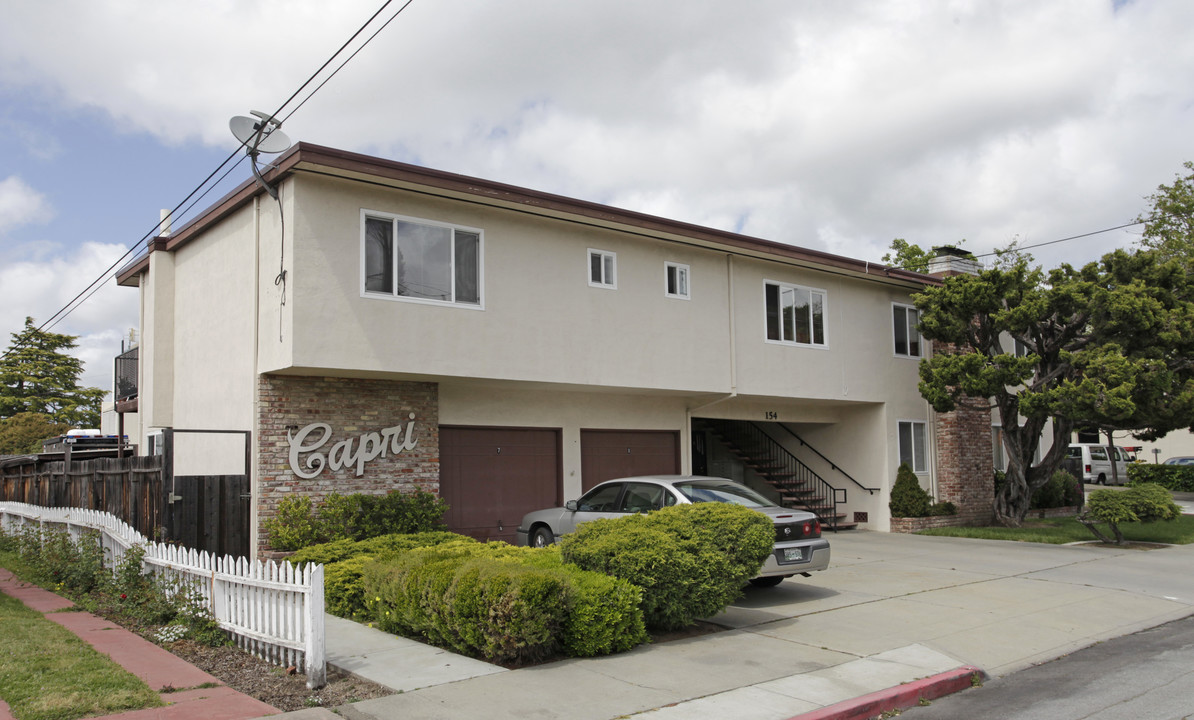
(1102, 480)
(771, 581)
(542, 537)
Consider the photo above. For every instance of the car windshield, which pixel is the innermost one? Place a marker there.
(726, 492)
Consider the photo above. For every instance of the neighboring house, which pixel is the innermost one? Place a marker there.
(388, 326)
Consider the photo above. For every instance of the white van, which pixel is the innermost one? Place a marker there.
(1096, 462)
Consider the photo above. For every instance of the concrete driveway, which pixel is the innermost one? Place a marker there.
(891, 609)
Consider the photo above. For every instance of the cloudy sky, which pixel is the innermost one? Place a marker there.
(832, 125)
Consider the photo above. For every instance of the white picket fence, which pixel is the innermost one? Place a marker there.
(272, 610)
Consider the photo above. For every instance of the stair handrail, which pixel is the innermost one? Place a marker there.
(816, 452)
(834, 496)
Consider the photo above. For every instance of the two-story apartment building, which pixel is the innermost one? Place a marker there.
(382, 325)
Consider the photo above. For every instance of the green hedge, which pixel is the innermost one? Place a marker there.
(502, 603)
(1179, 478)
(343, 549)
(690, 560)
(298, 523)
(344, 561)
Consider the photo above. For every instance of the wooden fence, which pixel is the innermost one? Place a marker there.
(209, 513)
(275, 611)
(129, 488)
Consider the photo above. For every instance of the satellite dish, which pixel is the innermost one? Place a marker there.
(263, 135)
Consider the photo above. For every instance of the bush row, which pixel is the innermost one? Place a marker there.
(691, 561)
(1179, 478)
(344, 563)
(502, 603)
(298, 523)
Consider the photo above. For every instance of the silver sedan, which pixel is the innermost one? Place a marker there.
(799, 547)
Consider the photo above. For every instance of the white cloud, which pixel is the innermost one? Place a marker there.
(832, 125)
(40, 288)
(21, 204)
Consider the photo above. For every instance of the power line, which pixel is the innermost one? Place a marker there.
(1072, 237)
(94, 286)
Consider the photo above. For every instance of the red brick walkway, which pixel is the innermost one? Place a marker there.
(157, 667)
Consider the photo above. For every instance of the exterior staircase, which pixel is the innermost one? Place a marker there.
(797, 485)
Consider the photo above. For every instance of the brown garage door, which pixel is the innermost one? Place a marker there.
(607, 454)
(491, 477)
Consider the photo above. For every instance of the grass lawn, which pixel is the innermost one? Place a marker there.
(1066, 530)
(48, 673)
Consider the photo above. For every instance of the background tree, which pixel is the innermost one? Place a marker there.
(1169, 224)
(22, 433)
(1107, 346)
(910, 256)
(37, 376)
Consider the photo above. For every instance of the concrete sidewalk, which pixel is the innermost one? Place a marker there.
(891, 610)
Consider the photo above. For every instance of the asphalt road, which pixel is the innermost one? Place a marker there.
(1146, 675)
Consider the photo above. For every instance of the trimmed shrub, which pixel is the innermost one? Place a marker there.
(502, 603)
(299, 523)
(691, 561)
(1062, 490)
(1147, 502)
(943, 508)
(294, 525)
(908, 498)
(1179, 478)
(343, 549)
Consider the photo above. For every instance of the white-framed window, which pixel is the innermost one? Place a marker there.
(914, 445)
(795, 314)
(603, 269)
(675, 278)
(405, 258)
(904, 319)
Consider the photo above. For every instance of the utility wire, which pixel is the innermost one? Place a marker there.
(94, 286)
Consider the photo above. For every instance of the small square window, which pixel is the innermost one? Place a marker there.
(603, 270)
(676, 280)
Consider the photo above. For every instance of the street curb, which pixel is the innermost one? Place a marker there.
(899, 697)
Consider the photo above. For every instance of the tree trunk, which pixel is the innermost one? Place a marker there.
(1112, 454)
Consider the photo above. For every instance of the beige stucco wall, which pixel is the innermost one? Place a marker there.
(207, 369)
(541, 321)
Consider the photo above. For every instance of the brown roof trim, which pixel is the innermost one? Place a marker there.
(305, 156)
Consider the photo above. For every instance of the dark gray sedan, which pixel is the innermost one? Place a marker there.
(799, 547)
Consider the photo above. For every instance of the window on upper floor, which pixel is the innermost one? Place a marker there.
(795, 314)
(603, 269)
(914, 447)
(908, 342)
(410, 259)
(675, 280)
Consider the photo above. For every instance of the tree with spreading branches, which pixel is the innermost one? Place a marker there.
(1110, 345)
(38, 376)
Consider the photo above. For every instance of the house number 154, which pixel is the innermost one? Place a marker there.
(770, 415)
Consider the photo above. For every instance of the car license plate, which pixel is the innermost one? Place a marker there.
(791, 554)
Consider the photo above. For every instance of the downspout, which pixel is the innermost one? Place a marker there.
(255, 438)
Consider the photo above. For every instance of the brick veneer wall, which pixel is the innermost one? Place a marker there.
(965, 466)
(351, 407)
